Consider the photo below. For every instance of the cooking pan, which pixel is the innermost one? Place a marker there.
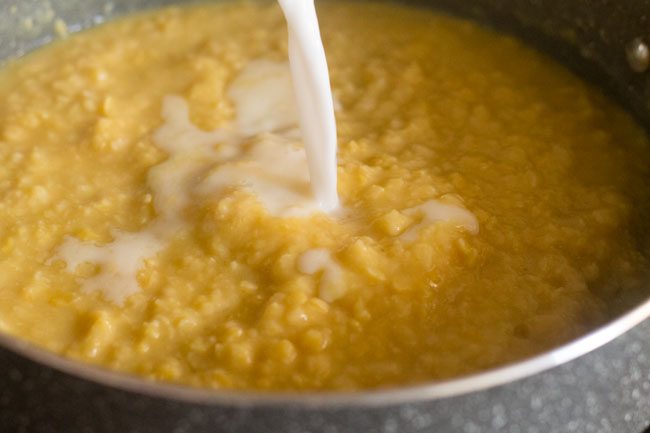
(598, 383)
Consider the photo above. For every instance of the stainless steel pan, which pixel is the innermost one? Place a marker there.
(599, 383)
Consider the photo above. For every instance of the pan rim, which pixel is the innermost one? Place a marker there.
(332, 399)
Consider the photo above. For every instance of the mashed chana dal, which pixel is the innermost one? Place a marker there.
(123, 242)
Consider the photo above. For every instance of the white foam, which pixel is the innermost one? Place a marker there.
(260, 151)
(275, 170)
(263, 98)
(331, 285)
(434, 211)
(119, 262)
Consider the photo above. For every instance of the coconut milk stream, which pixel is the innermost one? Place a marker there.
(281, 148)
(313, 97)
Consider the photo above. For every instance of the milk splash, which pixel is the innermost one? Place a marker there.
(259, 152)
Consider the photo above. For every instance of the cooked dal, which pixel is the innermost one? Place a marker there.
(430, 108)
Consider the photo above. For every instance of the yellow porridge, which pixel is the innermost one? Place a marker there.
(130, 238)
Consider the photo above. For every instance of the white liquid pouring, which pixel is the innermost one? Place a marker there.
(259, 152)
(313, 98)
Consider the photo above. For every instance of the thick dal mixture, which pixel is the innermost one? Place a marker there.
(429, 108)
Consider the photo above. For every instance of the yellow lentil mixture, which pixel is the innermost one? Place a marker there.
(430, 107)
